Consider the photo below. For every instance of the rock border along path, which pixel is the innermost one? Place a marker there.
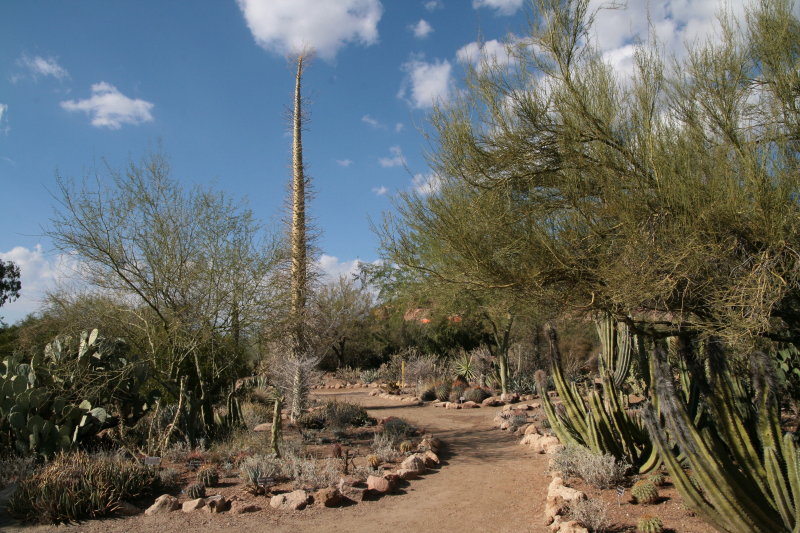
(487, 482)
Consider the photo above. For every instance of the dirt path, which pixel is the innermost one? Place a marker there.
(487, 482)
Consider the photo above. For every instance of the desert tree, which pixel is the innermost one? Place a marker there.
(667, 198)
(189, 272)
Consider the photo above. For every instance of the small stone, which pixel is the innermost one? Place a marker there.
(193, 505)
(163, 504)
(293, 501)
(531, 429)
(572, 527)
(374, 392)
(492, 401)
(469, 405)
(452, 405)
(266, 426)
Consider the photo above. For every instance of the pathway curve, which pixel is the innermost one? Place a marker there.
(488, 482)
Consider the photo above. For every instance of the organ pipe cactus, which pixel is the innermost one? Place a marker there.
(600, 421)
(745, 475)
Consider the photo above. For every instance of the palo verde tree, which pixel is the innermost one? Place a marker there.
(10, 284)
(190, 274)
(667, 198)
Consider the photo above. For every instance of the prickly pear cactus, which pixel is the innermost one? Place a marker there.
(649, 524)
(644, 491)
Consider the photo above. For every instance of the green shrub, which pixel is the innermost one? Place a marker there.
(167, 479)
(259, 466)
(311, 420)
(591, 514)
(427, 392)
(369, 375)
(77, 486)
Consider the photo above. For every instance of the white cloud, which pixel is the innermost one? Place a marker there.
(503, 7)
(39, 273)
(426, 83)
(677, 24)
(332, 268)
(109, 108)
(380, 191)
(290, 26)
(38, 67)
(371, 121)
(396, 160)
(426, 184)
(490, 52)
(344, 162)
(399, 127)
(433, 5)
(4, 129)
(421, 29)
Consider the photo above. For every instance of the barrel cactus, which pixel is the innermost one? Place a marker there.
(649, 524)
(374, 461)
(442, 392)
(208, 476)
(644, 491)
(406, 446)
(196, 490)
(657, 479)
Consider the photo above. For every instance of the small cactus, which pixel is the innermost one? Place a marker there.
(374, 461)
(442, 392)
(657, 479)
(644, 492)
(406, 446)
(196, 490)
(649, 524)
(208, 476)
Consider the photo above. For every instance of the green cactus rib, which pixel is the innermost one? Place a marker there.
(741, 489)
(599, 421)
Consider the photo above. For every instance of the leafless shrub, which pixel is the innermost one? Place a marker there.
(601, 471)
(591, 514)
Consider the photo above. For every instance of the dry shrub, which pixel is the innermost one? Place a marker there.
(601, 471)
(591, 514)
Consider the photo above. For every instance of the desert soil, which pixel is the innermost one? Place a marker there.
(487, 482)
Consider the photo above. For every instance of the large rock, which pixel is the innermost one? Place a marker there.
(469, 405)
(531, 429)
(510, 397)
(329, 497)
(163, 504)
(374, 392)
(293, 501)
(193, 505)
(380, 485)
(430, 458)
(266, 426)
(492, 401)
(415, 463)
(452, 405)
(217, 504)
(572, 527)
(559, 497)
(430, 443)
(406, 474)
(542, 443)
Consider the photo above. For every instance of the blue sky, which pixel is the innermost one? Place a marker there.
(93, 81)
